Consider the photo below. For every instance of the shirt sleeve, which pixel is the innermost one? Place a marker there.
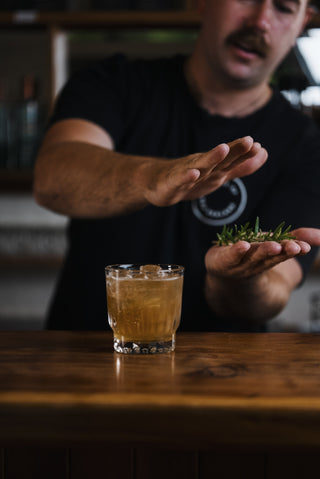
(96, 94)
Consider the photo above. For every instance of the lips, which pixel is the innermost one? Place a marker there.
(247, 47)
(249, 42)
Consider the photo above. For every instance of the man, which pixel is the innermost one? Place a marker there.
(131, 157)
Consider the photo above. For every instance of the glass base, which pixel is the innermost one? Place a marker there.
(137, 347)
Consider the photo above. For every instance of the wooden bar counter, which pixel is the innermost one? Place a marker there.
(221, 406)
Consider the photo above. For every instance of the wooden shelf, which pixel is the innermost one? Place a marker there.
(111, 19)
(31, 263)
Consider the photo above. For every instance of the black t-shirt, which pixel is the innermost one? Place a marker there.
(147, 108)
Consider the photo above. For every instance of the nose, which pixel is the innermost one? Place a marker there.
(260, 17)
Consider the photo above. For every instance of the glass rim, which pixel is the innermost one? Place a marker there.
(166, 267)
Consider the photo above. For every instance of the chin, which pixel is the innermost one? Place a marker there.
(240, 82)
(242, 78)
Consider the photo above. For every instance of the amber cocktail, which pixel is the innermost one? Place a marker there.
(144, 306)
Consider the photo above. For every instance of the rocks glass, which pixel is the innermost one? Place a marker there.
(144, 306)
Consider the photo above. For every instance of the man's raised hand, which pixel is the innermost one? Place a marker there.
(168, 182)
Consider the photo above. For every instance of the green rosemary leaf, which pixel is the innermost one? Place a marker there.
(245, 227)
(256, 226)
(277, 232)
(247, 233)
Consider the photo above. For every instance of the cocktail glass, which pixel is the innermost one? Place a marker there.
(144, 306)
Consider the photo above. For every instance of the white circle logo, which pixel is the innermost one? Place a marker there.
(223, 206)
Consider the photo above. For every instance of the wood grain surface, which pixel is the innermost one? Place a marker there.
(216, 390)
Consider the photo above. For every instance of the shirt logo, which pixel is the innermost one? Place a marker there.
(223, 206)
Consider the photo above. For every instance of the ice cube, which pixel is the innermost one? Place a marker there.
(150, 270)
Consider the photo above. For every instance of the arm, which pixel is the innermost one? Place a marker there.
(253, 281)
(78, 173)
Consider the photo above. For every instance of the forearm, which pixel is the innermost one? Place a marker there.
(254, 299)
(78, 173)
(112, 184)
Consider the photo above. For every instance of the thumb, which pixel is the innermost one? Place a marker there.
(221, 258)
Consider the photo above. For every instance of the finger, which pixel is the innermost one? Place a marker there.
(210, 159)
(254, 151)
(295, 248)
(188, 177)
(270, 249)
(261, 252)
(249, 166)
(180, 175)
(242, 260)
(224, 154)
(263, 256)
(240, 151)
(176, 187)
(309, 235)
(240, 146)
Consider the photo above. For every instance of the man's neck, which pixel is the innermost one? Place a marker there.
(219, 99)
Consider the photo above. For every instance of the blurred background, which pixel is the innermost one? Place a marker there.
(41, 43)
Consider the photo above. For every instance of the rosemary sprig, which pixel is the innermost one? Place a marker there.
(246, 233)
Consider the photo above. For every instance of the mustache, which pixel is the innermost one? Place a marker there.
(251, 40)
